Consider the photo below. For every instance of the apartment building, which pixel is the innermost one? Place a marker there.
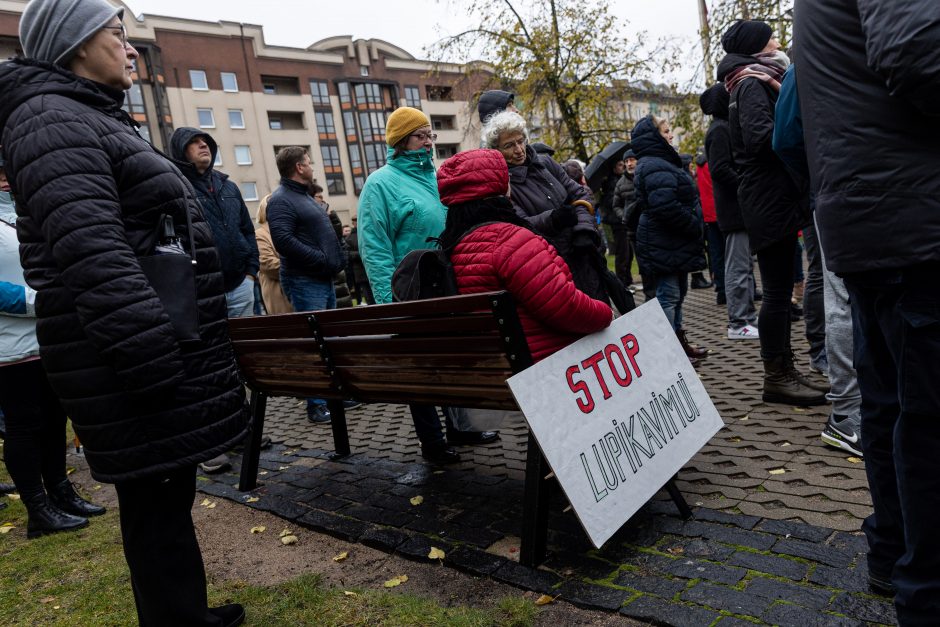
(332, 97)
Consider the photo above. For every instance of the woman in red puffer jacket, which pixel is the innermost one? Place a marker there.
(491, 248)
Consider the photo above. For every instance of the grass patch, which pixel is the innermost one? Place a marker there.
(80, 578)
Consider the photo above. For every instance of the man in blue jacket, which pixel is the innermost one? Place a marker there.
(232, 229)
(304, 238)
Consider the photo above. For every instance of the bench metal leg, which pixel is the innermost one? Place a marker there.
(249, 475)
(535, 507)
(684, 510)
(340, 433)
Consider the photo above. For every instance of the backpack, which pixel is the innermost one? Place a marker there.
(424, 273)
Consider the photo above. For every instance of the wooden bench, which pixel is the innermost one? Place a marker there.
(455, 351)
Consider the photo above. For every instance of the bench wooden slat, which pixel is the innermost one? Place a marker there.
(468, 377)
(428, 361)
(281, 326)
(449, 306)
(477, 322)
(455, 345)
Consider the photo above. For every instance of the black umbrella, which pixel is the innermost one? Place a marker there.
(599, 167)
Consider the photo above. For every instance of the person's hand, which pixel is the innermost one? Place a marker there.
(563, 217)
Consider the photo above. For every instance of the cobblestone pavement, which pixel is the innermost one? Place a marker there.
(766, 546)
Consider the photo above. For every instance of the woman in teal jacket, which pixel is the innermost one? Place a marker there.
(399, 209)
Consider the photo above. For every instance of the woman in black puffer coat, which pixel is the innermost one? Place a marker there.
(669, 233)
(89, 194)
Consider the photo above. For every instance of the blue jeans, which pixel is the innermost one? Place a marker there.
(670, 291)
(241, 300)
(896, 315)
(308, 294)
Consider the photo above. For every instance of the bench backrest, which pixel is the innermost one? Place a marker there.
(457, 350)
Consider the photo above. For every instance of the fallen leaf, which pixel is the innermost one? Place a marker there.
(97, 487)
(785, 444)
(438, 472)
(799, 410)
(342, 556)
(747, 417)
(417, 500)
(56, 607)
(777, 471)
(283, 467)
(258, 529)
(350, 593)
(205, 502)
(854, 460)
(287, 540)
(261, 473)
(734, 439)
(45, 600)
(391, 583)
(6, 528)
(285, 532)
(544, 600)
(69, 470)
(252, 499)
(436, 553)
(676, 550)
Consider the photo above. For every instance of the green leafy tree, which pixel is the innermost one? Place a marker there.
(566, 60)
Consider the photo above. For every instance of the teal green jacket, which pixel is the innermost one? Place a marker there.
(399, 208)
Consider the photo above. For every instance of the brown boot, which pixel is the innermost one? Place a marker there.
(804, 380)
(691, 350)
(781, 386)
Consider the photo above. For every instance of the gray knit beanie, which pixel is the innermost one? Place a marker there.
(52, 30)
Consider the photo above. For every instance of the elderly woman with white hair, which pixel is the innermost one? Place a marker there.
(556, 207)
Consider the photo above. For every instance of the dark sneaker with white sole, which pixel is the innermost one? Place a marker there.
(844, 432)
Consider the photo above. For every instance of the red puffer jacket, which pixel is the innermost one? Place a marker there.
(553, 312)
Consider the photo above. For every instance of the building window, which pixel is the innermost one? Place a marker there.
(319, 92)
(358, 182)
(445, 151)
(443, 122)
(275, 123)
(355, 158)
(229, 82)
(197, 78)
(330, 155)
(349, 124)
(236, 119)
(269, 88)
(218, 159)
(413, 97)
(363, 70)
(343, 89)
(325, 124)
(144, 131)
(368, 93)
(375, 156)
(134, 103)
(249, 191)
(440, 92)
(243, 155)
(335, 184)
(206, 119)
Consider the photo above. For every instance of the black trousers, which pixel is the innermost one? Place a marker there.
(776, 273)
(160, 546)
(623, 256)
(34, 450)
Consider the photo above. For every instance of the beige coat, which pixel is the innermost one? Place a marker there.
(269, 275)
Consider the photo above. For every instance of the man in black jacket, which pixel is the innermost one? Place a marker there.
(232, 229)
(739, 267)
(310, 252)
(870, 98)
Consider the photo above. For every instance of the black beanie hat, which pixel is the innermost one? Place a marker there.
(746, 37)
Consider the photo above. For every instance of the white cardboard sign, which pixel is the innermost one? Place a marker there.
(617, 414)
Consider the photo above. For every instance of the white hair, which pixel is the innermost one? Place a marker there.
(502, 122)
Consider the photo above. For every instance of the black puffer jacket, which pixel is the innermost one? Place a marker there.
(720, 156)
(870, 100)
(774, 201)
(538, 187)
(669, 238)
(89, 193)
(222, 204)
(624, 201)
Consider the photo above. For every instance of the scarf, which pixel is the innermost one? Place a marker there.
(769, 69)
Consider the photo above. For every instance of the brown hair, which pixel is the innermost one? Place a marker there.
(263, 209)
(287, 158)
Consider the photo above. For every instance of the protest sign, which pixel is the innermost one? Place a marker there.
(616, 415)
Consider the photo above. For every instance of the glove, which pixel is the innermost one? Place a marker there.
(563, 217)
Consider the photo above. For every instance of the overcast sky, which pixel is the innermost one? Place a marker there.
(409, 24)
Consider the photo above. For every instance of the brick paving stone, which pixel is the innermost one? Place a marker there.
(778, 566)
(738, 520)
(660, 612)
(813, 551)
(339, 526)
(571, 564)
(527, 578)
(698, 569)
(705, 549)
(852, 543)
(848, 579)
(805, 596)
(376, 515)
(592, 596)
(724, 598)
(731, 621)
(327, 503)
(795, 530)
(660, 586)
(474, 560)
(384, 538)
(282, 507)
(752, 539)
(417, 547)
(786, 615)
(867, 608)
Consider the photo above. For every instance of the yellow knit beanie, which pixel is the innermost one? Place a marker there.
(402, 123)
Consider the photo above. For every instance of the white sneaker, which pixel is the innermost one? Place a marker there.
(747, 332)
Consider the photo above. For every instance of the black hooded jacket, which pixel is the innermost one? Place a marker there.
(774, 201)
(669, 237)
(720, 156)
(222, 204)
(89, 194)
(493, 101)
(870, 101)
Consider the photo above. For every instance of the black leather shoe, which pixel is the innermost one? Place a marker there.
(67, 499)
(232, 614)
(439, 453)
(699, 282)
(7, 488)
(351, 404)
(45, 518)
(318, 414)
(721, 298)
(471, 437)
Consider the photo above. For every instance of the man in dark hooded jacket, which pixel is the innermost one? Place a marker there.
(870, 98)
(232, 229)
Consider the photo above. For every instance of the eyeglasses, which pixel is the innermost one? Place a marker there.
(123, 32)
(510, 145)
(425, 136)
